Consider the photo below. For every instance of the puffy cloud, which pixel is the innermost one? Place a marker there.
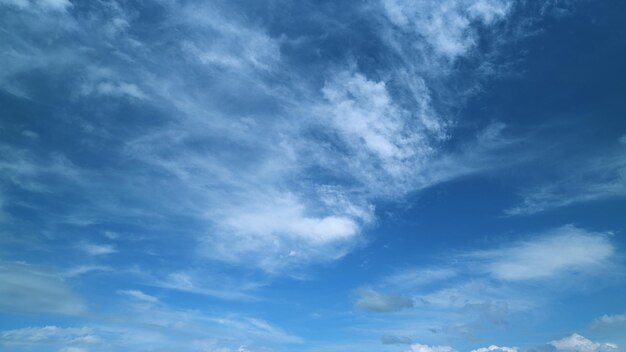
(578, 343)
(28, 288)
(377, 302)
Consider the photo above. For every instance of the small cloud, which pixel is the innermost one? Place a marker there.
(396, 340)
(139, 296)
(622, 140)
(610, 321)
(111, 235)
(565, 249)
(425, 348)
(373, 301)
(494, 348)
(578, 343)
(30, 134)
(98, 249)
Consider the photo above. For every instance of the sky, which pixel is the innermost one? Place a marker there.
(313, 176)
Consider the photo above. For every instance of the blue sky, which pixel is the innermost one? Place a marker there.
(372, 175)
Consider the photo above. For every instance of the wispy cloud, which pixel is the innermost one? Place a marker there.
(486, 288)
(139, 296)
(561, 251)
(29, 288)
(294, 180)
(376, 302)
(592, 179)
(49, 335)
(609, 321)
(97, 249)
(425, 348)
(494, 348)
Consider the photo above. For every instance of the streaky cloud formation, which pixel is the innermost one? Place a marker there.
(375, 175)
(34, 289)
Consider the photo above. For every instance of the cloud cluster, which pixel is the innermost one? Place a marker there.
(482, 290)
(270, 166)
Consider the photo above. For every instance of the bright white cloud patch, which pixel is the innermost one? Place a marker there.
(578, 343)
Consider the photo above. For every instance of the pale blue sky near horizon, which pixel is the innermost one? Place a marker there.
(371, 175)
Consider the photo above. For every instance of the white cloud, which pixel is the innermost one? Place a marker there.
(578, 343)
(610, 321)
(377, 302)
(204, 284)
(415, 278)
(425, 348)
(447, 26)
(586, 180)
(45, 5)
(138, 295)
(49, 334)
(494, 348)
(28, 288)
(564, 250)
(396, 340)
(97, 249)
(269, 179)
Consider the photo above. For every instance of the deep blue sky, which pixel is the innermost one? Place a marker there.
(375, 175)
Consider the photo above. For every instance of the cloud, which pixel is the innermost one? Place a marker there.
(270, 166)
(578, 343)
(204, 284)
(97, 249)
(396, 340)
(447, 26)
(609, 321)
(49, 335)
(116, 89)
(28, 288)
(462, 295)
(39, 5)
(376, 302)
(139, 296)
(567, 249)
(586, 180)
(414, 278)
(425, 348)
(494, 348)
